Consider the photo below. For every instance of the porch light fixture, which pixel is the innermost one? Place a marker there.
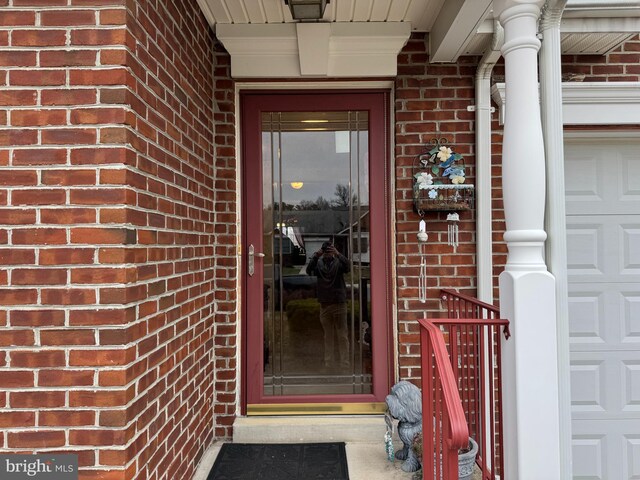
(297, 185)
(306, 10)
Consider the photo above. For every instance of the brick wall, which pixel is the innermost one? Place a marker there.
(431, 102)
(226, 326)
(64, 362)
(170, 93)
(106, 226)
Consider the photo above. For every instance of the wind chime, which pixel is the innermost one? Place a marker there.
(422, 242)
(452, 240)
(452, 230)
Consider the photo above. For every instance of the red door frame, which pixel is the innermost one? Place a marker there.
(376, 102)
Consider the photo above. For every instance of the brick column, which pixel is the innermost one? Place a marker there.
(227, 318)
(106, 226)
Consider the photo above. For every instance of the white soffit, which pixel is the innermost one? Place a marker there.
(287, 50)
(570, 43)
(629, 24)
(579, 36)
(586, 43)
(591, 103)
(454, 28)
(419, 13)
(596, 35)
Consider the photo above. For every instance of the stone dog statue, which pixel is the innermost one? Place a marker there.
(405, 404)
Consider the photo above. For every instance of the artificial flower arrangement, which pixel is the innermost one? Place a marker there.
(435, 167)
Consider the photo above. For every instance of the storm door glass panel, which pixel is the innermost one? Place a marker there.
(317, 326)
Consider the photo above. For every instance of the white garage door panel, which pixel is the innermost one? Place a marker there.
(630, 175)
(605, 386)
(604, 316)
(585, 248)
(583, 171)
(589, 457)
(631, 456)
(630, 238)
(588, 386)
(606, 451)
(603, 248)
(602, 178)
(603, 243)
(586, 316)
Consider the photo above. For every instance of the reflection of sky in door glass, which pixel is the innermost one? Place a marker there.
(310, 157)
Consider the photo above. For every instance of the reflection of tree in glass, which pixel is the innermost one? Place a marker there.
(342, 197)
(320, 203)
(339, 202)
(286, 207)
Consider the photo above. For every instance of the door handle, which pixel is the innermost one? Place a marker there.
(251, 260)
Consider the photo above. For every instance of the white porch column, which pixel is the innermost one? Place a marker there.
(556, 247)
(527, 289)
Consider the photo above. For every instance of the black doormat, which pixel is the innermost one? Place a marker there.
(280, 461)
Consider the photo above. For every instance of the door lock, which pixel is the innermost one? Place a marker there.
(251, 260)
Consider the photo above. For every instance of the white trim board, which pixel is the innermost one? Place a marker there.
(591, 103)
(299, 50)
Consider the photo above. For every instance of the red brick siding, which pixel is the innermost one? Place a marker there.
(106, 226)
(431, 102)
(226, 326)
(59, 158)
(170, 93)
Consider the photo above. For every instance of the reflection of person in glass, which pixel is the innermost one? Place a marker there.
(329, 265)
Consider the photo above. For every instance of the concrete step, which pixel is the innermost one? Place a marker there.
(364, 436)
(294, 429)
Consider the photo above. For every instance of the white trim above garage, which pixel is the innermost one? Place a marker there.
(601, 103)
(591, 103)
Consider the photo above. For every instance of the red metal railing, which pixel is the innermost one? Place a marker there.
(444, 427)
(472, 334)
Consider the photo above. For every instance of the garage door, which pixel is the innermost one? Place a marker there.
(603, 243)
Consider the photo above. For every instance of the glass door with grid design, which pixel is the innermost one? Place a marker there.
(315, 253)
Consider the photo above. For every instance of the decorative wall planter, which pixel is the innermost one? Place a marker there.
(439, 180)
(445, 198)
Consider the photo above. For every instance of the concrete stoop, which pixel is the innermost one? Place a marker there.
(299, 429)
(363, 435)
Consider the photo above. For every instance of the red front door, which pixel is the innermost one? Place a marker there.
(316, 298)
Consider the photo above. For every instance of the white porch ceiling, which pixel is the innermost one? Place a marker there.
(456, 27)
(420, 13)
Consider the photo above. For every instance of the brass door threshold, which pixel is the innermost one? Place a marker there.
(365, 408)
